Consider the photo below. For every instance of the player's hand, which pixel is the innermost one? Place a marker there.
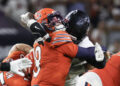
(99, 54)
(27, 19)
(17, 66)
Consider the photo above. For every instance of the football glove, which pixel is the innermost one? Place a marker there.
(17, 66)
(27, 19)
(33, 25)
(99, 54)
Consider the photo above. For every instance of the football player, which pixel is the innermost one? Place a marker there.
(77, 23)
(15, 66)
(108, 76)
(10, 79)
(28, 50)
(53, 56)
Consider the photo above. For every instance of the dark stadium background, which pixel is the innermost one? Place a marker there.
(104, 15)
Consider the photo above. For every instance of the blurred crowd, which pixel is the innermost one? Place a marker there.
(104, 15)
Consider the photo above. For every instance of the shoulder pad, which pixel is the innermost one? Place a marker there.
(59, 38)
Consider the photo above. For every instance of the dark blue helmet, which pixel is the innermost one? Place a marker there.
(77, 23)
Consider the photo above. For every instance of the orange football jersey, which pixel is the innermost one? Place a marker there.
(110, 75)
(10, 79)
(53, 60)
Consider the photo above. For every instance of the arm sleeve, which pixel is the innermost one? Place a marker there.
(88, 55)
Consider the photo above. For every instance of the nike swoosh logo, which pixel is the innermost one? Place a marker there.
(36, 27)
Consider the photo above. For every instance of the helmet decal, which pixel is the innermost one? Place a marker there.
(37, 15)
(42, 14)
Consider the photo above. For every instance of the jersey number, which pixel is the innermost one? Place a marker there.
(37, 57)
(2, 78)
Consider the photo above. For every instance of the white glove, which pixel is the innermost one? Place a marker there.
(27, 19)
(99, 53)
(17, 66)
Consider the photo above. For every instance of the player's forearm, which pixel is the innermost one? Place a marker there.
(88, 54)
(4, 66)
(85, 53)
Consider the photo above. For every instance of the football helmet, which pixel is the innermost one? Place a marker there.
(77, 23)
(49, 17)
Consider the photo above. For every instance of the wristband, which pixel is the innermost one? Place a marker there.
(5, 66)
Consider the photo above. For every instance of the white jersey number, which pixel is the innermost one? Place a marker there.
(37, 57)
(2, 78)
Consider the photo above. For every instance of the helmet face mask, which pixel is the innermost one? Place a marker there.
(48, 17)
(54, 18)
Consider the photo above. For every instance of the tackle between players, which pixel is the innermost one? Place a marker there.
(53, 57)
(58, 58)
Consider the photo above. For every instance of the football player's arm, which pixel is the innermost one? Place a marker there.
(89, 54)
(33, 26)
(16, 65)
(93, 55)
(5, 65)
